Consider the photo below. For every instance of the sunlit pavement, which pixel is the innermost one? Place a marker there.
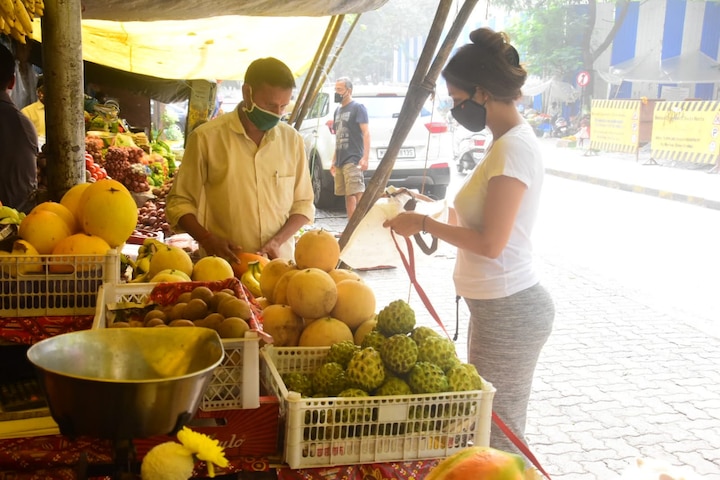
(619, 378)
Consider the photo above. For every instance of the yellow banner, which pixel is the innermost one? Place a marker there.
(615, 125)
(686, 131)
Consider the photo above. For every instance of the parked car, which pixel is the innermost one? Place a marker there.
(469, 148)
(422, 163)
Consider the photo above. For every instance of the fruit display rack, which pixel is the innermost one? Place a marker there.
(322, 432)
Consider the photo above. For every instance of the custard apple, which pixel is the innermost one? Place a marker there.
(298, 382)
(329, 379)
(419, 334)
(394, 386)
(426, 377)
(366, 370)
(464, 377)
(399, 353)
(397, 317)
(341, 352)
(353, 392)
(374, 339)
(440, 351)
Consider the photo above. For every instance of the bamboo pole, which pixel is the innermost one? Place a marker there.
(64, 117)
(421, 86)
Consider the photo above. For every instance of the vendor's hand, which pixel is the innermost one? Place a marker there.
(405, 224)
(332, 169)
(363, 164)
(221, 247)
(271, 249)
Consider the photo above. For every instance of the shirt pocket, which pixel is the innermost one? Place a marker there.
(284, 194)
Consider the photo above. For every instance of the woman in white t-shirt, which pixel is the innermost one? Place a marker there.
(511, 314)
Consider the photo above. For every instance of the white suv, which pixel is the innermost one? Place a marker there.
(422, 160)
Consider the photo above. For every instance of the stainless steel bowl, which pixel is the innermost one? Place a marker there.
(125, 383)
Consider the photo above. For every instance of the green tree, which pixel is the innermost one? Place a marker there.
(368, 54)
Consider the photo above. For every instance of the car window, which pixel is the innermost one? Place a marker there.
(321, 107)
(386, 106)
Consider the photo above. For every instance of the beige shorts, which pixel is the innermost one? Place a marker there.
(349, 180)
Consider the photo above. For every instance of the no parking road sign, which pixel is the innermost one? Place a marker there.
(583, 78)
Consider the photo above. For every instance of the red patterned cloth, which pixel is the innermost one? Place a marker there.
(30, 330)
(375, 471)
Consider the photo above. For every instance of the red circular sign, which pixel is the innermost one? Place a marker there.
(583, 78)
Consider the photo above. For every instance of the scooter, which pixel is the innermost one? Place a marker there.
(561, 128)
(470, 149)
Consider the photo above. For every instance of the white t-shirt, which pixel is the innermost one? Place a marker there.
(516, 154)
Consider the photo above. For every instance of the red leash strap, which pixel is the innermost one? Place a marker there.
(410, 267)
(518, 443)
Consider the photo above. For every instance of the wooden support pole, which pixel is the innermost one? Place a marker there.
(63, 73)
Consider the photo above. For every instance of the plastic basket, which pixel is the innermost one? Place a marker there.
(235, 382)
(345, 431)
(54, 285)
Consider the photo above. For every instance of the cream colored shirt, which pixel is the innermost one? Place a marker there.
(239, 190)
(36, 113)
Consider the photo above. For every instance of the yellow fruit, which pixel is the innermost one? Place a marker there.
(24, 248)
(271, 273)
(340, 274)
(312, 293)
(169, 276)
(171, 257)
(62, 211)
(283, 325)
(366, 327)
(108, 210)
(71, 200)
(212, 268)
(233, 327)
(43, 229)
(280, 291)
(79, 244)
(325, 332)
(317, 249)
(355, 303)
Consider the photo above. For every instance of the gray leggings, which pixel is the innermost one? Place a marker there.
(505, 337)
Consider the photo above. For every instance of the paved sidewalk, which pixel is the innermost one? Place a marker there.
(619, 379)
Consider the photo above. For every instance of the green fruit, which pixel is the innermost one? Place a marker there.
(374, 339)
(440, 351)
(399, 353)
(341, 352)
(427, 377)
(397, 317)
(394, 386)
(330, 379)
(464, 377)
(298, 382)
(366, 370)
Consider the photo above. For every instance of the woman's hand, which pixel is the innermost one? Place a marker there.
(406, 223)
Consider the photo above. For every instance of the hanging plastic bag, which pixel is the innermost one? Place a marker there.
(371, 245)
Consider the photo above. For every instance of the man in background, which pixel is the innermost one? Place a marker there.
(36, 111)
(352, 146)
(18, 144)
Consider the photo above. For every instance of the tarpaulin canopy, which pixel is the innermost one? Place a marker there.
(205, 39)
(691, 67)
(143, 10)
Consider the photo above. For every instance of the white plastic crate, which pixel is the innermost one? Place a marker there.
(54, 285)
(235, 382)
(332, 431)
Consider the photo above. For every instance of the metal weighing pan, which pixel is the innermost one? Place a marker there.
(125, 383)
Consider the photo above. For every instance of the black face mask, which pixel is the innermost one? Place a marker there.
(470, 115)
(339, 97)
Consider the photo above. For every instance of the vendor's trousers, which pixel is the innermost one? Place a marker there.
(505, 337)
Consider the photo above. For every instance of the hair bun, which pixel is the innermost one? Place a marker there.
(512, 56)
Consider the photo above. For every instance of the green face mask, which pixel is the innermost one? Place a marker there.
(262, 119)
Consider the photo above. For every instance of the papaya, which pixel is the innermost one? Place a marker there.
(475, 463)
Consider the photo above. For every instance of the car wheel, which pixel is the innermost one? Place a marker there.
(323, 188)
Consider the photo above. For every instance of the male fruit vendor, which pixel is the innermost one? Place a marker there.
(244, 181)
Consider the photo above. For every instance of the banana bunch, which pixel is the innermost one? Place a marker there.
(251, 278)
(16, 17)
(142, 262)
(10, 216)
